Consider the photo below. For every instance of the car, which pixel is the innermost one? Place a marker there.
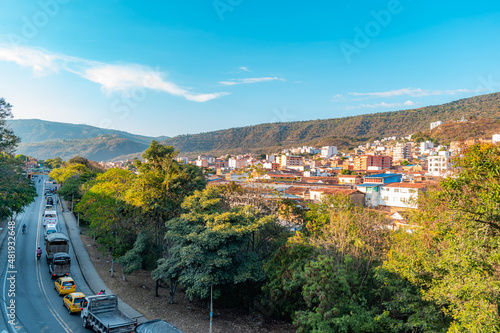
(50, 229)
(157, 326)
(73, 302)
(65, 285)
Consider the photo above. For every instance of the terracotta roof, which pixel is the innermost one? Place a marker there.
(296, 190)
(332, 191)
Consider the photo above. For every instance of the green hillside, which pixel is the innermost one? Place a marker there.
(101, 148)
(342, 132)
(45, 139)
(35, 130)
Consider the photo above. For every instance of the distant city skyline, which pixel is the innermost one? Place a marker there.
(171, 67)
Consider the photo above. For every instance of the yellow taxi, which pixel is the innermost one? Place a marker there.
(65, 285)
(73, 302)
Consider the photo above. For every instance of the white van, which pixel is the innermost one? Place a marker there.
(49, 216)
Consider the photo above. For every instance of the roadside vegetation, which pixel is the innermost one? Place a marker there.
(16, 190)
(343, 272)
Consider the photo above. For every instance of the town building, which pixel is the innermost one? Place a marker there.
(401, 195)
(290, 161)
(371, 186)
(402, 152)
(328, 151)
(439, 165)
(436, 124)
(372, 162)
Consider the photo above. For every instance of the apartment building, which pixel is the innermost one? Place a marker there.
(373, 162)
(438, 165)
(402, 152)
(290, 161)
(328, 151)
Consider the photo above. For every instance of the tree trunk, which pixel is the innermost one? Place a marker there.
(157, 286)
(124, 277)
(173, 287)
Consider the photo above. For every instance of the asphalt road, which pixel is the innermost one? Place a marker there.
(27, 289)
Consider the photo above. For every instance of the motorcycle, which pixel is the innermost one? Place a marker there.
(38, 255)
(24, 229)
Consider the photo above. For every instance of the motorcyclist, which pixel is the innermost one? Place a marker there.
(24, 228)
(38, 252)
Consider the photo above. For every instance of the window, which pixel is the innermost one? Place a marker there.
(396, 190)
(412, 191)
(385, 198)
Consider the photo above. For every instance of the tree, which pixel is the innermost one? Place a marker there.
(16, 190)
(161, 186)
(134, 259)
(453, 256)
(104, 206)
(8, 140)
(211, 247)
(53, 163)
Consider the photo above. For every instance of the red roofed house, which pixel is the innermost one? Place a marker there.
(319, 193)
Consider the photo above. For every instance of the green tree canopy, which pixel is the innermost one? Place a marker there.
(211, 246)
(453, 256)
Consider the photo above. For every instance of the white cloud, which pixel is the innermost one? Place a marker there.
(413, 92)
(111, 77)
(338, 98)
(245, 69)
(382, 105)
(233, 82)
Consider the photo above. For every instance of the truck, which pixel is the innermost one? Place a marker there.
(60, 265)
(101, 314)
(57, 242)
(49, 216)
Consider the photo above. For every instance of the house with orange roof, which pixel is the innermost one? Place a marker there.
(319, 194)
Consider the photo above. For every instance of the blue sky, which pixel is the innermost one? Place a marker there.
(181, 67)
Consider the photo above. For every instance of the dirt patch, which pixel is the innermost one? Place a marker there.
(190, 317)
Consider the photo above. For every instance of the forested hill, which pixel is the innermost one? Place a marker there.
(36, 130)
(342, 132)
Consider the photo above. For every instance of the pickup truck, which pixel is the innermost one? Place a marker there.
(101, 313)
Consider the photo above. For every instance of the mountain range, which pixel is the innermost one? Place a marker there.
(45, 139)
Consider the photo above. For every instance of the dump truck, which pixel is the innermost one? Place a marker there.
(101, 314)
(60, 265)
(57, 242)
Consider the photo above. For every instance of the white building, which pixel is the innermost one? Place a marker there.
(328, 151)
(237, 163)
(402, 195)
(424, 146)
(438, 165)
(436, 124)
(495, 138)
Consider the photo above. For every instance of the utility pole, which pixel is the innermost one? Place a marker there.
(211, 307)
